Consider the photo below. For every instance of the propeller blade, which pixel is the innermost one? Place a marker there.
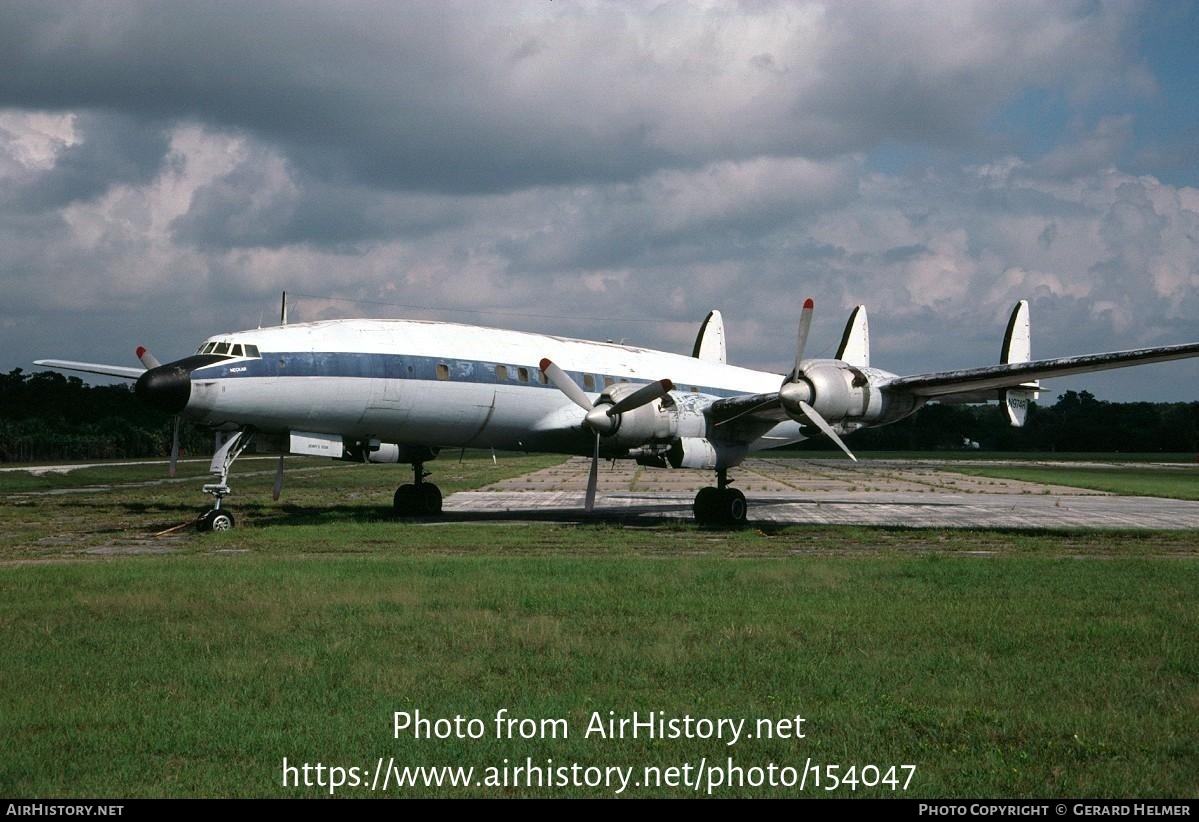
(148, 359)
(593, 476)
(277, 488)
(565, 384)
(822, 424)
(642, 396)
(801, 342)
(174, 447)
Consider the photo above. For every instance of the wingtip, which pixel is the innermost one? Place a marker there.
(809, 304)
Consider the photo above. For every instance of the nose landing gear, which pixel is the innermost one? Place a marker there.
(218, 518)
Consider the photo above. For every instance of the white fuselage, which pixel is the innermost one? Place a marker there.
(444, 384)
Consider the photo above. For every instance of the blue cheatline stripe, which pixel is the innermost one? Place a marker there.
(399, 367)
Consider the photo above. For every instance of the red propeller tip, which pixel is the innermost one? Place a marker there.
(141, 349)
(808, 303)
(545, 363)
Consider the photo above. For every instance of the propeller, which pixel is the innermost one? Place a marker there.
(150, 361)
(601, 418)
(797, 391)
(801, 341)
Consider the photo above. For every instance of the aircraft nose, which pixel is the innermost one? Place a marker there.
(167, 388)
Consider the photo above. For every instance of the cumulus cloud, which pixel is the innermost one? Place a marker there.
(598, 169)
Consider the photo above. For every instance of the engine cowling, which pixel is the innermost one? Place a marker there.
(829, 387)
(656, 421)
(843, 393)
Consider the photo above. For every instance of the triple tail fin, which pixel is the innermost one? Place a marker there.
(855, 341)
(1017, 348)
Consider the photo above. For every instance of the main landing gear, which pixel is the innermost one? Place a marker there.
(418, 498)
(218, 518)
(721, 505)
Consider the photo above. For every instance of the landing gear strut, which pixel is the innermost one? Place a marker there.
(720, 505)
(418, 498)
(218, 518)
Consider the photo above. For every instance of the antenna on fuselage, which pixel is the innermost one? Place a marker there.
(283, 310)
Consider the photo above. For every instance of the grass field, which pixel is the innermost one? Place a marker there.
(997, 663)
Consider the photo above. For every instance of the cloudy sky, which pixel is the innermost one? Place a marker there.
(606, 170)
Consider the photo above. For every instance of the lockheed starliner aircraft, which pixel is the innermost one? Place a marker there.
(399, 390)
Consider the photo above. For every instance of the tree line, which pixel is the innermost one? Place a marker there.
(47, 416)
(1076, 421)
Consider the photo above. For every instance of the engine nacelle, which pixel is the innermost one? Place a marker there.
(702, 453)
(844, 393)
(835, 389)
(656, 421)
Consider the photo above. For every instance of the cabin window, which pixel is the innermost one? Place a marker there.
(252, 351)
(624, 379)
(443, 371)
(501, 373)
(588, 382)
(608, 381)
(542, 378)
(694, 390)
(522, 374)
(237, 350)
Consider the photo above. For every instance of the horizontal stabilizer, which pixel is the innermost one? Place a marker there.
(94, 368)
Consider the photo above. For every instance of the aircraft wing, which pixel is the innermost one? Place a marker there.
(963, 386)
(966, 383)
(94, 368)
(764, 408)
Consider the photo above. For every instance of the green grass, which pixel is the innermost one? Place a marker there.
(1175, 483)
(1024, 456)
(1000, 663)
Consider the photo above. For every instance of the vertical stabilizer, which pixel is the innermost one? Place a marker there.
(1017, 348)
(709, 343)
(855, 341)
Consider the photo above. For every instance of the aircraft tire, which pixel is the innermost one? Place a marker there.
(404, 501)
(429, 499)
(707, 505)
(733, 508)
(216, 519)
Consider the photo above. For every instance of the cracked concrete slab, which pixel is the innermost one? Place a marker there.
(875, 492)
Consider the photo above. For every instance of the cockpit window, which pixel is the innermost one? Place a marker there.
(229, 349)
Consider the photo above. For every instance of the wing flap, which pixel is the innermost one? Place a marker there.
(947, 384)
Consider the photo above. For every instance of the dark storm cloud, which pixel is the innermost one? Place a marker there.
(112, 150)
(263, 201)
(167, 169)
(482, 97)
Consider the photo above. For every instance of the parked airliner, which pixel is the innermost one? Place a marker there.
(400, 390)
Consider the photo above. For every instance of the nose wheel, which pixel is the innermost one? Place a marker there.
(216, 519)
(418, 498)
